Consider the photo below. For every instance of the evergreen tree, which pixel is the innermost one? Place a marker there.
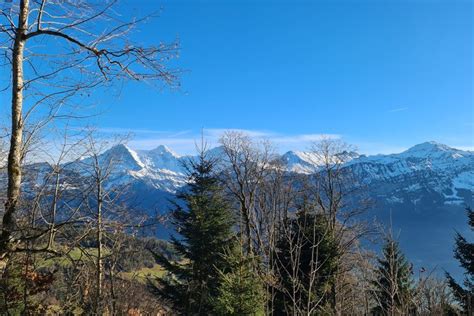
(393, 286)
(464, 253)
(204, 223)
(241, 291)
(306, 265)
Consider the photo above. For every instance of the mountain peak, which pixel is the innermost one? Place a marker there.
(299, 161)
(164, 150)
(123, 154)
(428, 149)
(430, 146)
(118, 148)
(118, 151)
(161, 158)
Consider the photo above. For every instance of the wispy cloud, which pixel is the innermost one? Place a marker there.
(303, 139)
(184, 142)
(218, 132)
(138, 132)
(399, 109)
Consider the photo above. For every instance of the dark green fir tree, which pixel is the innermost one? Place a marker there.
(203, 221)
(306, 257)
(464, 253)
(393, 286)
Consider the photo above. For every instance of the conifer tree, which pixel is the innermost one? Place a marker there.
(203, 221)
(306, 260)
(393, 285)
(241, 291)
(464, 253)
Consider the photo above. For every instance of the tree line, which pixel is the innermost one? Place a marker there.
(286, 244)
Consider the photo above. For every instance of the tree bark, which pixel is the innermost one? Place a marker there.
(16, 141)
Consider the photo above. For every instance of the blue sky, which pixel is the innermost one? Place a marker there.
(382, 75)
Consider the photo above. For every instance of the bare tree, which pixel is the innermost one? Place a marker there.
(276, 202)
(432, 295)
(341, 196)
(246, 166)
(45, 213)
(107, 215)
(73, 47)
(271, 204)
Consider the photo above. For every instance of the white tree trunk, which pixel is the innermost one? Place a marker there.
(16, 141)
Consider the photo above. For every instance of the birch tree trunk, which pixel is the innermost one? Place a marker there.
(16, 142)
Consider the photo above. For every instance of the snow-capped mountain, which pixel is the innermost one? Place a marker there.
(161, 158)
(300, 162)
(159, 169)
(310, 162)
(429, 168)
(430, 171)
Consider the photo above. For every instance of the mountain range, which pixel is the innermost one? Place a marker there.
(421, 192)
(428, 171)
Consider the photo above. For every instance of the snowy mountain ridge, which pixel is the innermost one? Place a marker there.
(429, 166)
